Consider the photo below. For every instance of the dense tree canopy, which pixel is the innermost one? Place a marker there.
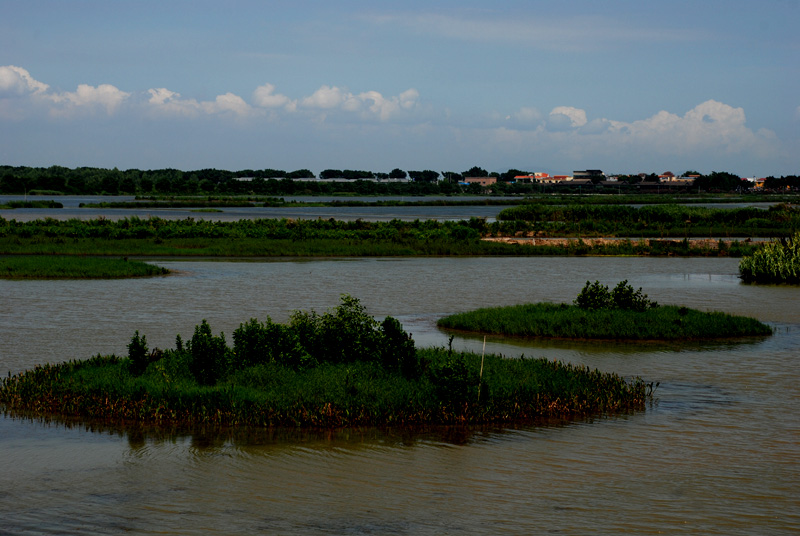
(98, 181)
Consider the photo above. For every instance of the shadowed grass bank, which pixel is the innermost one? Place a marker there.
(570, 321)
(74, 267)
(330, 395)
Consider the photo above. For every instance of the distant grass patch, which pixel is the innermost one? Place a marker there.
(70, 267)
(570, 321)
(30, 204)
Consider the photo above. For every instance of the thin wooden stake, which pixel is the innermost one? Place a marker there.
(480, 376)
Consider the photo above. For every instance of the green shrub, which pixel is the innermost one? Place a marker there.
(453, 381)
(596, 296)
(624, 297)
(138, 354)
(346, 333)
(398, 351)
(209, 355)
(257, 343)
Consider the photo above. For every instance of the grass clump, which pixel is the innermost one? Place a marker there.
(74, 267)
(339, 368)
(778, 261)
(623, 314)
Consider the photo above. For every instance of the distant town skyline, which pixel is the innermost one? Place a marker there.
(621, 86)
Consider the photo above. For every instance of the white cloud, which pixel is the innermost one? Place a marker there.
(162, 101)
(326, 97)
(711, 131)
(16, 80)
(166, 102)
(711, 125)
(369, 104)
(89, 98)
(565, 118)
(266, 97)
(228, 103)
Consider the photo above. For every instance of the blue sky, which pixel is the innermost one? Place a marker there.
(623, 86)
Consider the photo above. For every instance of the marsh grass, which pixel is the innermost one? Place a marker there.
(74, 267)
(778, 261)
(340, 368)
(330, 395)
(569, 321)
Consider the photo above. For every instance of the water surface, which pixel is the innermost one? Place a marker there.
(718, 452)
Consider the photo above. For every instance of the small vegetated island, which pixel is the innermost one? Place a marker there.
(74, 267)
(339, 368)
(599, 313)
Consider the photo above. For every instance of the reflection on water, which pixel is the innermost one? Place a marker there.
(717, 452)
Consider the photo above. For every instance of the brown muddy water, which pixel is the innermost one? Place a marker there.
(717, 452)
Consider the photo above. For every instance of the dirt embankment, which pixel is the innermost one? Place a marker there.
(700, 243)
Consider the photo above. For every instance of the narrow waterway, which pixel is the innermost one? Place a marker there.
(718, 452)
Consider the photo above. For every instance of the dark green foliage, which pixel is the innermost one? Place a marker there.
(347, 394)
(138, 354)
(397, 349)
(453, 381)
(624, 297)
(346, 333)
(209, 355)
(257, 343)
(595, 296)
(77, 267)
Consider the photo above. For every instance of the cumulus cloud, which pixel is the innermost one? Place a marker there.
(86, 97)
(711, 125)
(326, 97)
(227, 103)
(563, 118)
(710, 131)
(18, 81)
(369, 104)
(162, 101)
(266, 97)
(166, 102)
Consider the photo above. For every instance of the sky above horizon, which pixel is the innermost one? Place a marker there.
(622, 86)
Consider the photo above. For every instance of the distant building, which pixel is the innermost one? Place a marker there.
(483, 181)
(591, 174)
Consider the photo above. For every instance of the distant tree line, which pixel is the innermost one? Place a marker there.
(100, 181)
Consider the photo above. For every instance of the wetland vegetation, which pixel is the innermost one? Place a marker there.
(338, 368)
(597, 313)
(287, 237)
(74, 267)
(776, 262)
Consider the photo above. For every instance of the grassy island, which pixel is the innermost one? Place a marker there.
(73, 267)
(623, 314)
(339, 368)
